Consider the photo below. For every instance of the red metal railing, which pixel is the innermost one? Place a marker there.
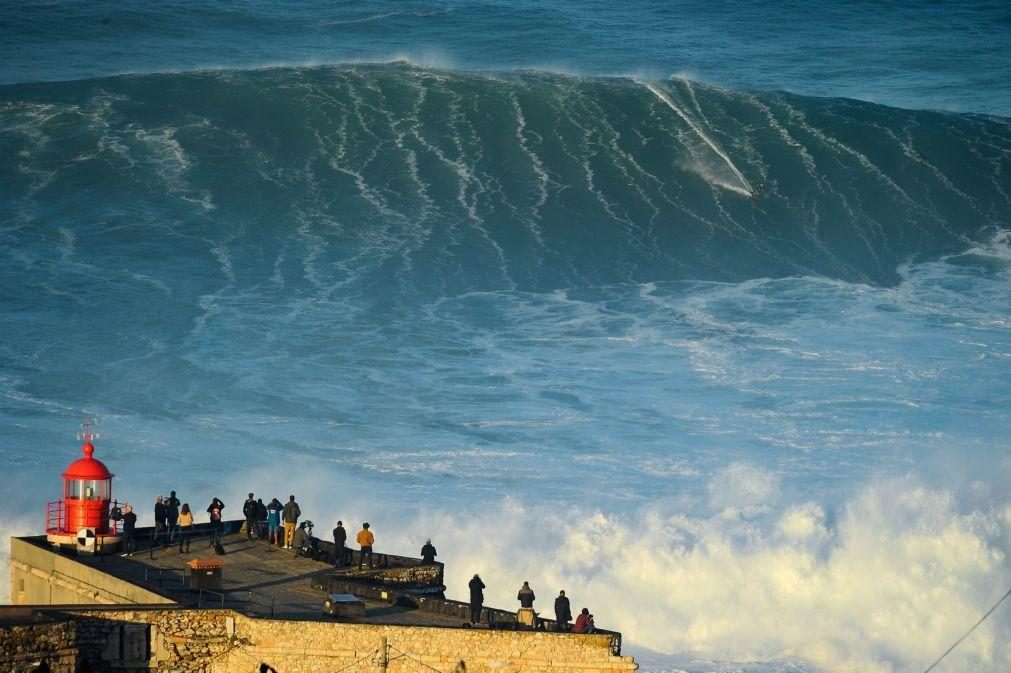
(57, 519)
(56, 516)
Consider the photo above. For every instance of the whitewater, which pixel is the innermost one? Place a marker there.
(728, 364)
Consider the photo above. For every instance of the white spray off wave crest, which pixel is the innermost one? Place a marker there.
(747, 190)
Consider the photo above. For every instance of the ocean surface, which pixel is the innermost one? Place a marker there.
(699, 311)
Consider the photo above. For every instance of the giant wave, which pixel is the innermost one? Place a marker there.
(546, 320)
(428, 179)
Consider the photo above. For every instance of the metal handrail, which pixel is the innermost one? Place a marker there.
(249, 602)
(200, 597)
(161, 575)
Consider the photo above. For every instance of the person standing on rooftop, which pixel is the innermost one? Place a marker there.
(172, 515)
(365, 539)
(476, 598)
(340, 539)
(160, 517)
(217, 527)
(185, 527)
(216, 504)
(563, 612)
(129, 528)
(290, 515)
(261, 519)
(274, 522)
(249, 511)
(428, 552)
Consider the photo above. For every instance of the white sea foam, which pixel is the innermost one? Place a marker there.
(882, 582)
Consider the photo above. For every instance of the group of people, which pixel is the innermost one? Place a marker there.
(171, 519)
(343, 554)
(563, 612)
(265, 521)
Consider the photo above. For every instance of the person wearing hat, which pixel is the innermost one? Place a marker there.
(428, 552)
(476, 598)
(365, 539)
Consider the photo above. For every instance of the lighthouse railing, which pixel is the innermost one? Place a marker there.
(56, 516)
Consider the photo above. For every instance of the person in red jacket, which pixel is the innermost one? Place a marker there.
(584, 622)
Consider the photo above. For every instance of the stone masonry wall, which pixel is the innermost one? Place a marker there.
(155, 640)
(223, 641)
(301, 647)
(24, 645)
(419, 575)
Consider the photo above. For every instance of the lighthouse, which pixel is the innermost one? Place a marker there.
(85, 517)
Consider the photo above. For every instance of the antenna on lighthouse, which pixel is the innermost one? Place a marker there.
(88, 435)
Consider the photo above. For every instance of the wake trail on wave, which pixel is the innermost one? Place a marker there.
(746, 189)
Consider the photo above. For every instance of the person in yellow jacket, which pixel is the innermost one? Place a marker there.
(365, 540)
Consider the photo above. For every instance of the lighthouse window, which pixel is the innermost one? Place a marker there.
(93, 489)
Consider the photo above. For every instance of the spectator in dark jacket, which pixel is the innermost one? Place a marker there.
(563, 613)
(526, 596)
(216, 504)
(249, 511)
(476, 598)
(340, 545)
(172, 511)
(129, 529)
(217, 527)
(261, 519)
(428, 552)
(160, 520)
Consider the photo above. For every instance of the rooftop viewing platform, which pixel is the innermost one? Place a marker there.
(266, 581)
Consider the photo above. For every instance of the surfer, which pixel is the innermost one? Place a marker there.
(756, 191)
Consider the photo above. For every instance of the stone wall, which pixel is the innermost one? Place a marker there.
(155, 640)
(301, 647)
(404, 576)
(223, 641)
(23, 646)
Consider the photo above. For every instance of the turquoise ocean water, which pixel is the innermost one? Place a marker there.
(698, 311)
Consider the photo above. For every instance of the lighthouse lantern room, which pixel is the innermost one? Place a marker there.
(85, 517)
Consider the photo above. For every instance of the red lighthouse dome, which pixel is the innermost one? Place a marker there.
(87, 468)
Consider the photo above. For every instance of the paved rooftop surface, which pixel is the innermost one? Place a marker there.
(253, 566)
